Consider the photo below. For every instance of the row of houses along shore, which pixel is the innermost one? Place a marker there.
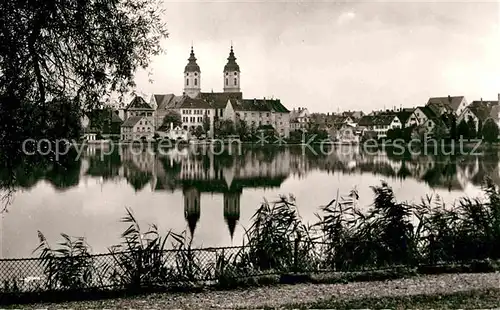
(200, 113)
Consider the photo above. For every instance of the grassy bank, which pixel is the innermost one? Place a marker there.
(476, 299)
(438, 291)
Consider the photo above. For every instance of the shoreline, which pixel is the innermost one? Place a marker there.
(434, 288)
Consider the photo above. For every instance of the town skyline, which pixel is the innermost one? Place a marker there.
(380, 64)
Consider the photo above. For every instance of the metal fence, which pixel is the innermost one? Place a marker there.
(170, 268)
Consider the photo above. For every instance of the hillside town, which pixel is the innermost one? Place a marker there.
(198, 115)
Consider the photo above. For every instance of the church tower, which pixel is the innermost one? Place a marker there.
(231, 74)
(232, 210)
(192, 77)
(191, 208)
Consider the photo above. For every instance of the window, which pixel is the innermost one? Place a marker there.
(208, 112)
(235, 73)
(196, 74)
(140, 122)
(227, 82)
(227, 73)
(235, 81)
(267, 114)
(245, 114)
(195, 82)
(187, 82)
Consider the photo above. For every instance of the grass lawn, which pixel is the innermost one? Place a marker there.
(480, 299)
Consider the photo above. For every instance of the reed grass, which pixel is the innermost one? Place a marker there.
(391, 233)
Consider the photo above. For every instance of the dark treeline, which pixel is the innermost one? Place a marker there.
(438, 171)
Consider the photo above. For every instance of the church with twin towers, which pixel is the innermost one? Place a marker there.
(196, 106)
(230, 103)
(144, 116)
(231, 76)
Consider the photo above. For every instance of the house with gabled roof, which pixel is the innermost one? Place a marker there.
(480, 111)
(259, 112)
(137, 128)
(428, 119)
(380, 124)
(102, 121)
(441, 105)
(407, 117)
(140, 107)
(300, 119)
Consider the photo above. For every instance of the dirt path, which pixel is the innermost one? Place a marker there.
(281, 295)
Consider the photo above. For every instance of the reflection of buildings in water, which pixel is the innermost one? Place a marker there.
(191, 207)
(232, 210)
(466, 171)
(299, 165)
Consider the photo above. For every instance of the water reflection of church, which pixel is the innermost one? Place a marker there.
(229, 175)
(226, 174)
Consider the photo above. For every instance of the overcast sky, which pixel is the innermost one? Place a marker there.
(329, 56)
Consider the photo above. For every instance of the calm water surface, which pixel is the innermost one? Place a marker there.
(212, 196)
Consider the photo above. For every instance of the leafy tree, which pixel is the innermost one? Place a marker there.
(69, 52)
(206, 123)
(453, 128)
(198, 131)
(241, 128)
(479, 130)
(172, 117)
(227, 127)
(407, 132)
(472, 128)
(440, 131)
(490, 131)
(394, 133)
(463, 130)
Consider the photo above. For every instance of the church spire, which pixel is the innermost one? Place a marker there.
(231, 62)
(231, 74)
(192, 76)
(192, 66)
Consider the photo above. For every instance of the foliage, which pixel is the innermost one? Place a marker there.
(226, 127)
(241, 128)
(206, 123)
(463, 130)
(472, 128)
(490, 130)
(296, 136)
(394, 133)
(390, 233)
(140, 260)
(198, 131)
(69, 267)
(171, 117)
(270, 238)
(337, 225)
(69, 53)
(440, 131)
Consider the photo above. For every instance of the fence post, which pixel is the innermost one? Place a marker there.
(223, 261)
(296, 254)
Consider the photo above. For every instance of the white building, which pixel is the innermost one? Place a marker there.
(136, 128)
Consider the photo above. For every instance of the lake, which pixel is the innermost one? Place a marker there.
(213, 196)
